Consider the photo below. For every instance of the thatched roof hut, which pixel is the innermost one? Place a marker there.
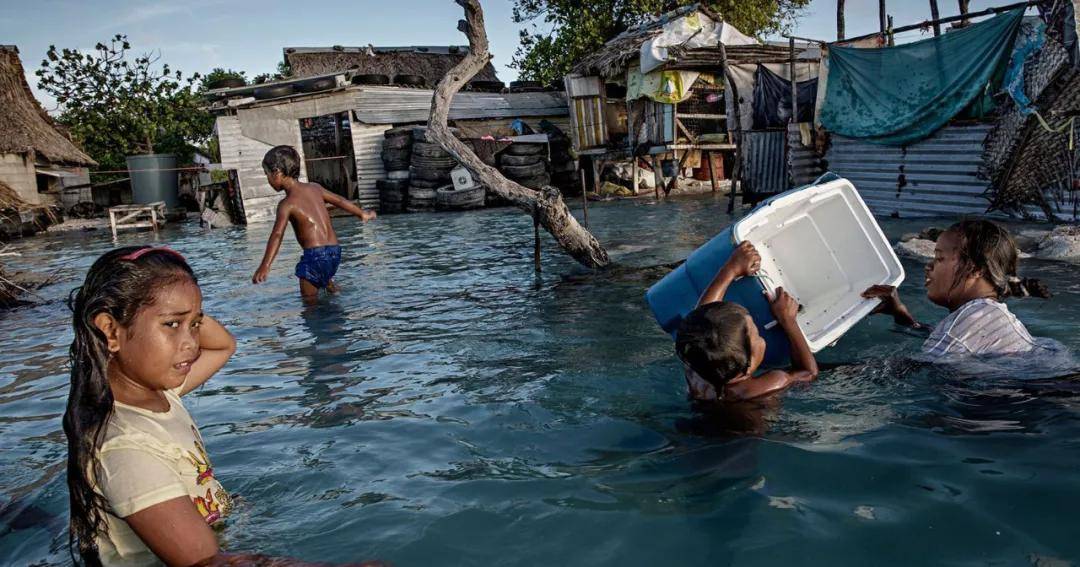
(25, 127)
(429, 62)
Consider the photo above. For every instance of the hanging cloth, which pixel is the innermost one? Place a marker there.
(899, 95)
(772, 99)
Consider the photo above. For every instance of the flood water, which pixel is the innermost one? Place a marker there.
(452, 407)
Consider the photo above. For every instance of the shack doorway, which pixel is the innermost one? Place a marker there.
(328, 153)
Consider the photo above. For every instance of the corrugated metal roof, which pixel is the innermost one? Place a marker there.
(936, 176)
(391, 105)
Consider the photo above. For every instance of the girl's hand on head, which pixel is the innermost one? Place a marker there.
(744, 261)
(783, 306)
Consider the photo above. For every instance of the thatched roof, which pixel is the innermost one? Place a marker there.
(612, 59)
(429, 62)
(9, 198)
(25, 126)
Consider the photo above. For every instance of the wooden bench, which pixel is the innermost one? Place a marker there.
(150, 215)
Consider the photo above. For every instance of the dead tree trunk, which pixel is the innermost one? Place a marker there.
(839, 20)
(547, 204)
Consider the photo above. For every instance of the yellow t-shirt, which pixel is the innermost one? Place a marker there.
(147, 458)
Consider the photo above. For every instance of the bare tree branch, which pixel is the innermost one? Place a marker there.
(547, 204)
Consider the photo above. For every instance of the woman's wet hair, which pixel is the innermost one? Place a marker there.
(283, 159)
(120, 284)
(987, 249)
(714, 341)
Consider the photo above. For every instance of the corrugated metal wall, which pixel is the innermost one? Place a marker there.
(937, 176)
(803, 162)
(367, 142)
(764, 163)
(245, 156)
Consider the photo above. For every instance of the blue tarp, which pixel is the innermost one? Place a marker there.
(899, 95)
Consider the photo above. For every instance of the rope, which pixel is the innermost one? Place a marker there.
(142, 170)
(1067, 124)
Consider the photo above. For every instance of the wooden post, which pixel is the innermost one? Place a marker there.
(633, 175)
(892, 36)
(112, 222)
(712, 171)
(881, 15)
(794, 84)
(934, 15)
(584, 200)
(839, 20)
(536, 240)
(595, 175)
(735, 135)
(963, 12)
(153, 218)
(658, 176)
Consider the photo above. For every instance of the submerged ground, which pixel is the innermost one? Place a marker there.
(452, 407)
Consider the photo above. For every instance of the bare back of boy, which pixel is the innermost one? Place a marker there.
(305, 209)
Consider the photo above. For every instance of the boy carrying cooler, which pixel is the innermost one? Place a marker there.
(304, 206)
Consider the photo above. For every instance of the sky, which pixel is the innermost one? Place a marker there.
(198, 35)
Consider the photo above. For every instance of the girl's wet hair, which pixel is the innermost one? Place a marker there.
(120, 283)
(283, 159)
(987, 249)
(714, 341)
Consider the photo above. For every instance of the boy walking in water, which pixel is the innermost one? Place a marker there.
(304, 206)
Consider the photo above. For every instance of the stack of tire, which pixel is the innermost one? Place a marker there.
(564, 173)
(525, 164)
(430, 169)
(396, 156)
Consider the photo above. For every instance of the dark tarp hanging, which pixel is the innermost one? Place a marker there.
(1061, 17)
(899, 95)
(772, 99)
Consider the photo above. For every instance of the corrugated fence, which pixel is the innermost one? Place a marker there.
(936, 176)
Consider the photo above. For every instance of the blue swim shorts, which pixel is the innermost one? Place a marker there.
(318, 265)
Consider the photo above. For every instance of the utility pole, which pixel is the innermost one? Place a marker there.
(881, 14)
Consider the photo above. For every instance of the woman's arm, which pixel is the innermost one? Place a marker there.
(216, 347)
(744, 261)
(891, 305)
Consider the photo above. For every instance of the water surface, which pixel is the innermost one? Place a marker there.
(452, 407)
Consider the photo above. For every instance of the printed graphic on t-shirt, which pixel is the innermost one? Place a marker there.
(215, 503)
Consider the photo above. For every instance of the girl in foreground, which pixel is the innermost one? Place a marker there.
(141, 485)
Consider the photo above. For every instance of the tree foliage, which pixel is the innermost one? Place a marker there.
(117, 105)
(218, 74)
(559, 33)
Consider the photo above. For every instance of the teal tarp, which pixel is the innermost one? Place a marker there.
(899, 95)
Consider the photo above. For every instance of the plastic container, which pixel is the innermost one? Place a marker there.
(153, 178)
(819, 242)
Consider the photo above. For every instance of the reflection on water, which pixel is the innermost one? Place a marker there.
(449, 403)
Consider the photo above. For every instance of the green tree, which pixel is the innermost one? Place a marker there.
(559, 33)
(117, 105)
